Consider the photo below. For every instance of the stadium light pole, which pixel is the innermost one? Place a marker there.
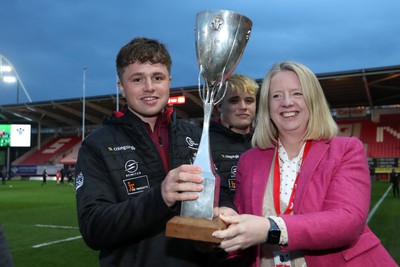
(8, 68)
(5, 69)
(83, 103)
(117, 93)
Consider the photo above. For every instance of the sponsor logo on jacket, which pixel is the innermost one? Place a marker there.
(233, 171)
(121, 148)
(225, 156)
(136, 185)
(232, 184)
(131, 167)
(232, 181)
(135, 182)
(191, 143)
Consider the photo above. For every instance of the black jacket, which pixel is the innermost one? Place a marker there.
(226, 148)
(121, 211)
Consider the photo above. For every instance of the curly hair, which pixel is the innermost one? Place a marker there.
(142, 50)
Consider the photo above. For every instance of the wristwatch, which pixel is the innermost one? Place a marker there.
(274, 233)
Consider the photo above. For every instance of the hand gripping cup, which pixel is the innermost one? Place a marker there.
(221, 37)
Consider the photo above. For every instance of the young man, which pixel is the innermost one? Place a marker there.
(231, 136)
(133, 172)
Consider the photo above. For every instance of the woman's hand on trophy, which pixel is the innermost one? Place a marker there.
(227, 211)
(182, 183)
(244, 231)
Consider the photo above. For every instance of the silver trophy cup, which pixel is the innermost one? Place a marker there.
(221, 37)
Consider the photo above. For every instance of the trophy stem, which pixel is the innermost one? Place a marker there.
(203, 157)
(203, 207)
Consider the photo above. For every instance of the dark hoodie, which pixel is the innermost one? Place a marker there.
(226, 148)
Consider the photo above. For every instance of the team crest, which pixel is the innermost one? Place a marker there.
(79, 181)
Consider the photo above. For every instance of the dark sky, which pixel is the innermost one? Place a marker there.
(50, 42)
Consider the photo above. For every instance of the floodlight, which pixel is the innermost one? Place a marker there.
(5, 68)
(9, 79)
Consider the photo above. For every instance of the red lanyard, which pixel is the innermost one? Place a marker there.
(277, 183)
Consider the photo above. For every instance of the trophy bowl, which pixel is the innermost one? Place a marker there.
(220, 39)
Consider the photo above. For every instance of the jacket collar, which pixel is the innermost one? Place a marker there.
(126, 117)
(219, 128)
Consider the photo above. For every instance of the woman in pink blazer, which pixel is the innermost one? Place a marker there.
(303, 193)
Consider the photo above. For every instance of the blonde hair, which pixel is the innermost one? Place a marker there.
(241, 83)
(321, 124)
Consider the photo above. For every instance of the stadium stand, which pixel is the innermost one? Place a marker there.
(52, 152)
(71, 157)
(365, 102)
(382, 140)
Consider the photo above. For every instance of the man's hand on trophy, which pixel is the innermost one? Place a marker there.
(181, 183)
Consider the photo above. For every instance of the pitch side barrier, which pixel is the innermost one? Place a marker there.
(33, 172)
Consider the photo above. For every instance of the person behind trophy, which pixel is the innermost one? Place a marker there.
(231, 135)
(303, 193)
(133, 172)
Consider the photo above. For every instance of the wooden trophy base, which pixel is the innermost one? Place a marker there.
(198, 229)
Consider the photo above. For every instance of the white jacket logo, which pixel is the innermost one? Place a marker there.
(121, 148)
(191, 143)
(131, 166)
(233, 171)
(79, 181)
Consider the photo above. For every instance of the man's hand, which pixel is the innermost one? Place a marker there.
(182, 183)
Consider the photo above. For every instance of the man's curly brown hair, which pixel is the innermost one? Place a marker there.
(142, 50)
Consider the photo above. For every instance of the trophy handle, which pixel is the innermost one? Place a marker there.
(213, 95)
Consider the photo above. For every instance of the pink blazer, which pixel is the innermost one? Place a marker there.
(330, 205)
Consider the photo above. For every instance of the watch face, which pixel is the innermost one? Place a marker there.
(273, 236)
(275, 233)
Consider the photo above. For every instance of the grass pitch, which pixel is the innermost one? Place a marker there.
(40, 224)
(385, 221)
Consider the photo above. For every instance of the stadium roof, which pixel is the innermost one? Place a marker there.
(374, 88)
